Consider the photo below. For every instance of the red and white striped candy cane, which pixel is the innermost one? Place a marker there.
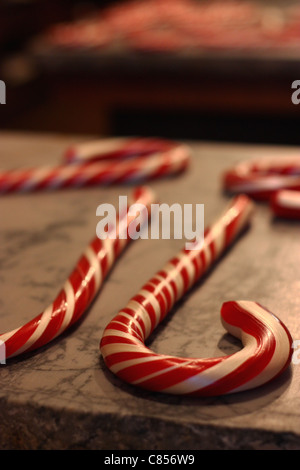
(79, 290)
(267, 342)
(286, 203)
(273, 179)
(102, 162)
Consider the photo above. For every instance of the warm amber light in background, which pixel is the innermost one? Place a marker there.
(208, 70)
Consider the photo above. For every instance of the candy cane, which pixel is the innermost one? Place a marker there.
(80, 288)
(273, 179)
(267, 342)
(286, 204)
(103, 162)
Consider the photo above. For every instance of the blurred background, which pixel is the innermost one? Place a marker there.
(183, 69)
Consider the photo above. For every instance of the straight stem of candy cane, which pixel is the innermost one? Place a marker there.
(183, 271)
(267, 342)
(119, 161)
(80, 289)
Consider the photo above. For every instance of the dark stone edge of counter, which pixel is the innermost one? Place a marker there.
(45, 428)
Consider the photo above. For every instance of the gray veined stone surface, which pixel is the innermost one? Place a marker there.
(62, 396)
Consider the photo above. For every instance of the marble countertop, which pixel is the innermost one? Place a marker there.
(62, 396)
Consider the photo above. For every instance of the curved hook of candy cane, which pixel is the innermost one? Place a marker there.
(81, 287)
(273, 179)
(267, 342)
(102, 162)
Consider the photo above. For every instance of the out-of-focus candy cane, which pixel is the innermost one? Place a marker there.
(273, 179)
(267, 342)
(102, 162)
